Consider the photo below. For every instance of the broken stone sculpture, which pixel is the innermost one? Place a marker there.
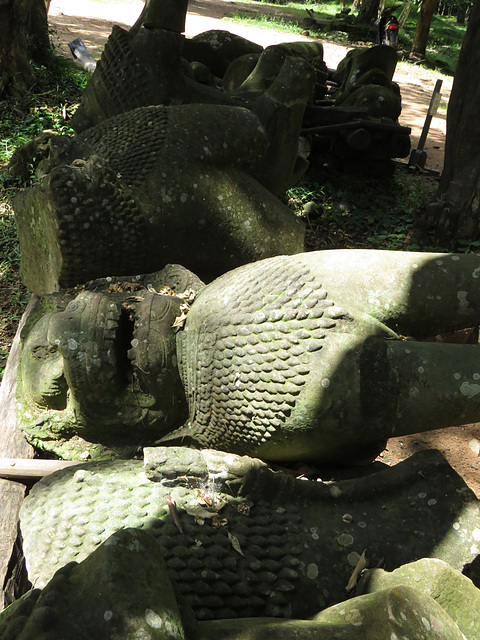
(160, 172)
(282, 82)
(365, 77)
(98, 372)
(241, 540)
(152, 186)
(255, 70)
(291, 358)
(361, 131)
(143, 66)
(396, 613)
(453, 591)
(122, 591)
(153, 63)
(401, 612)
(283, 79)
(216, 50)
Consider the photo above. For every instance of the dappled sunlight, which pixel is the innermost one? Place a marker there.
(92, 22)
(459, 445)
(93, 32)
(415, 103)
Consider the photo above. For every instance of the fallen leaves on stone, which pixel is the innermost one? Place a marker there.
(359, 567)
(188, 296)
(235, 543)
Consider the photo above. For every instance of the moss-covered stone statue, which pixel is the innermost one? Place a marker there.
(163, 168)
(365, 80)
(199, 545)
(153, 63)
(241, 540)
(149, 187)
(122, 592)
(302, 357)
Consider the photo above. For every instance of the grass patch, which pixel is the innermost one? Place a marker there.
(445, 38)
(275, 23)
(48, 105)
(362, 213)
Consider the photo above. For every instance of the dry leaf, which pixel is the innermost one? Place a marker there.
(180, 320)
(235, 543)
(218, 522)
(167, 291)
(199, 513)
(172, 506)
(244, 509)
(188, 294)
(212, 501)
(359, 567)
(75, 290)
(124, 287)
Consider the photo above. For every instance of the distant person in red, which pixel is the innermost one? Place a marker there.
(387, 28)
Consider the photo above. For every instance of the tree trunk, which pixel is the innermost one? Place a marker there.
(456, 216)
(403, 17)
(462, 13)
(423, 26)
(23, 36)
(368, 10)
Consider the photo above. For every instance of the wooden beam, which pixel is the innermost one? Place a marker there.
(12, 444)
(16, 468)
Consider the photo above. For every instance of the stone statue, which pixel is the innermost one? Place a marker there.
(163, 168)
(151, 186)
(101, 364)
(153, 63)
(240, 540)
(365, 80)
(122, 592)
(302, 357)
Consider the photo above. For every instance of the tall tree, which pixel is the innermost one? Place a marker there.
(456, 214)
(423, 26)
(23, 37)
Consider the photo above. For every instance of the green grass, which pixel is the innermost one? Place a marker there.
(266, 22)
(445, 38)
(360, 212)
(47, 106)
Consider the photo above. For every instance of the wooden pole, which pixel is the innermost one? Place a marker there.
(18, 468)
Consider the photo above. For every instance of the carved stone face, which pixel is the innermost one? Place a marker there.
(101, 367)
(43, 376)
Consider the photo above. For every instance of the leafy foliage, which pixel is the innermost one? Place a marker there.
(361, 212)
(47, 106)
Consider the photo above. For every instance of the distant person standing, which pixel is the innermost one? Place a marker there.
(387, 28)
